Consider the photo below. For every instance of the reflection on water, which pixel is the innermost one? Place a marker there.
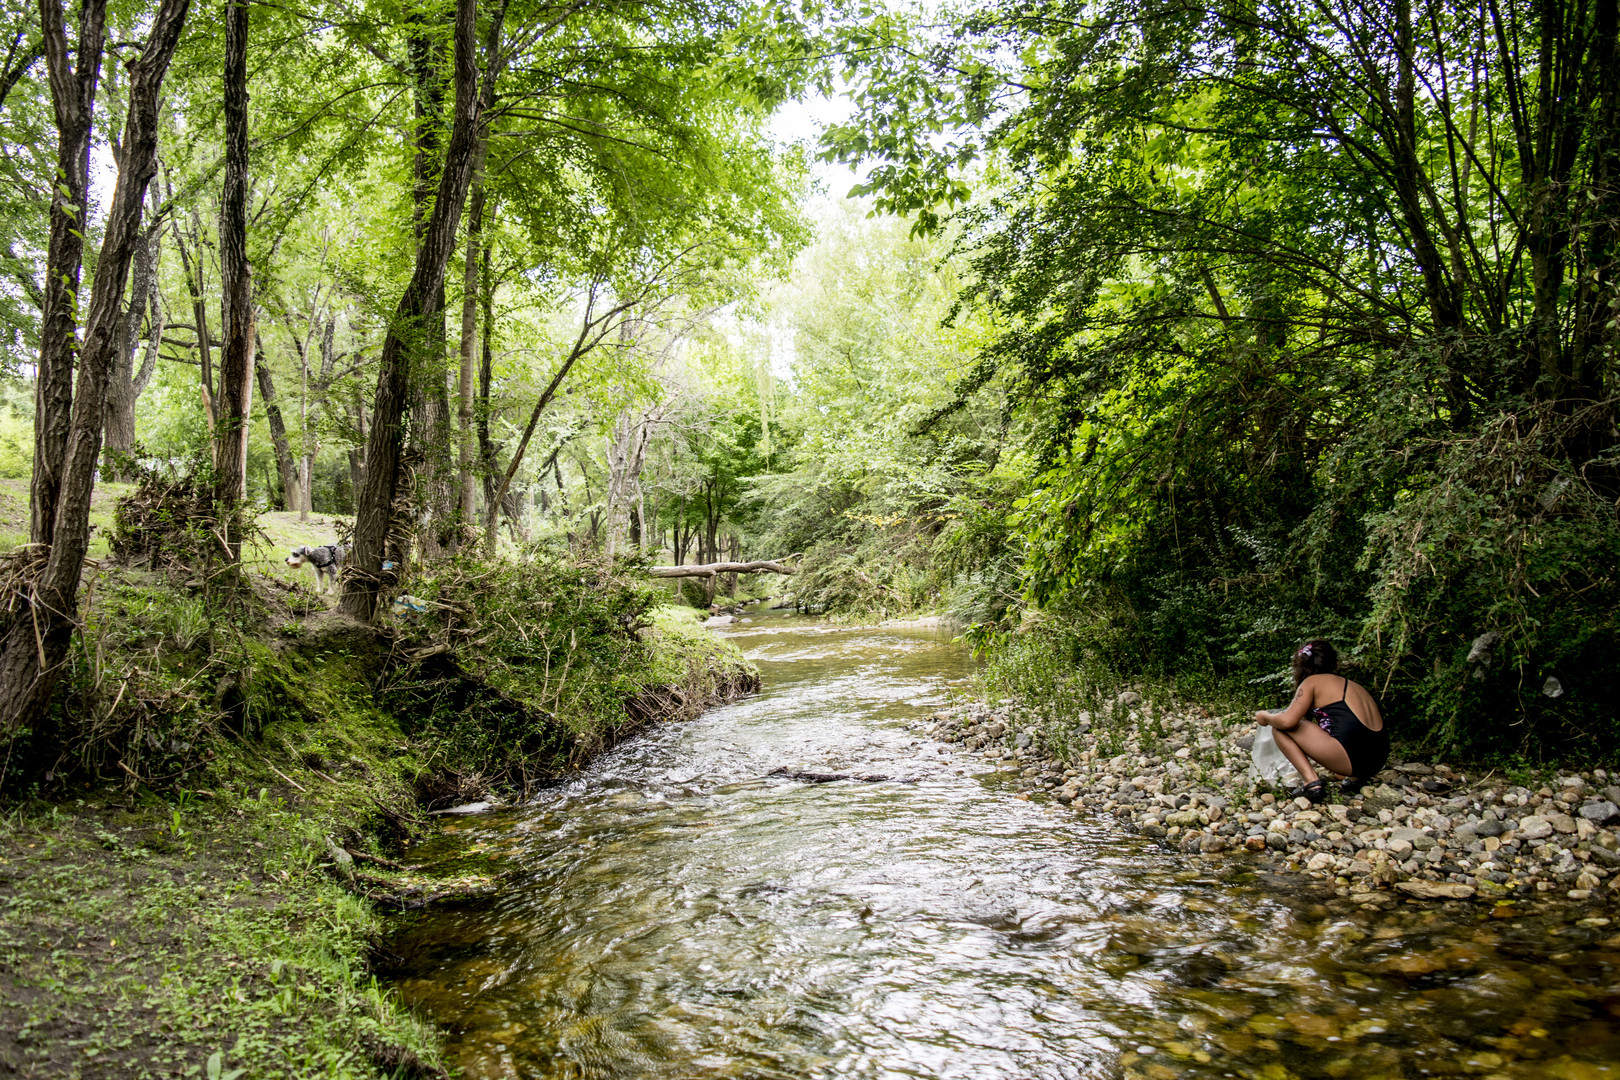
(674, 912)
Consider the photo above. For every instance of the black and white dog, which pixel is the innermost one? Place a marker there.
(326, 559)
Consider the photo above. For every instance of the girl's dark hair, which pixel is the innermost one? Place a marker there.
(1316, 657)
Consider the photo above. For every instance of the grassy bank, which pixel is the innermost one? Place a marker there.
(198, 845)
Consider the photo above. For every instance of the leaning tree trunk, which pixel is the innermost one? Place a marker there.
(292, 497)
(35, 645)
(418, 308)
(236, 288)
(73, 96)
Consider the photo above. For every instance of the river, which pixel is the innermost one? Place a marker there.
(675, 911)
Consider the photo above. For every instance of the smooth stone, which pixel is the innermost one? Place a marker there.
(1562, 823)
(1435, 890)
(1535, 827)
(1600, 813)
(1416, 838)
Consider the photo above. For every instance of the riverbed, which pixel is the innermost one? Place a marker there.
(693, 905)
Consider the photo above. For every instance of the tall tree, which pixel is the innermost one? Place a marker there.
(235, 397)
(409, 329)
(36, 642)
(129, 382)
(74, 72)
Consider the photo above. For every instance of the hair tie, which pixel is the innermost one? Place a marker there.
(1304, 650)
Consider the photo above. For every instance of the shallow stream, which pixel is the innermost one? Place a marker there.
(675, 911)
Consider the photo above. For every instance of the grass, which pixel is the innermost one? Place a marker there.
(142, 934)
(14, 514)
(266, 550)
(685, 654)
(143, 940)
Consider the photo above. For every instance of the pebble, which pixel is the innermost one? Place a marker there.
(1422, 830)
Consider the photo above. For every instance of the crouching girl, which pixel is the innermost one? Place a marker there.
(1331, 721)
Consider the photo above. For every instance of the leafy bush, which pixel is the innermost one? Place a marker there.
(1503, 537)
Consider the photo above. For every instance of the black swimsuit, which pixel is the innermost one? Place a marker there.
(1367, 749)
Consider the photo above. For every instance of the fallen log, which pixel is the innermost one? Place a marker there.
(768, 566)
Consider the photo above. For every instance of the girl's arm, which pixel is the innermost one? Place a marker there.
(1289, 718)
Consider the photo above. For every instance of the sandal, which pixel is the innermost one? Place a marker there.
(1352, 787)
(1315, 791)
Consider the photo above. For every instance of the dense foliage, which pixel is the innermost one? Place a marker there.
(1310, 321)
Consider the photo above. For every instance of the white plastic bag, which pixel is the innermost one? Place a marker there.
(1269, 764)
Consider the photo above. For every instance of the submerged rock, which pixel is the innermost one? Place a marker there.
(465, 808)
(1435, 890)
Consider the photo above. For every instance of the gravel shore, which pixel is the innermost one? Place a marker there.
(1418, 830)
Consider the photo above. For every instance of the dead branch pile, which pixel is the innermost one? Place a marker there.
(167, 522)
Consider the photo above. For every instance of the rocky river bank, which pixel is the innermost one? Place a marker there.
(1418, 830)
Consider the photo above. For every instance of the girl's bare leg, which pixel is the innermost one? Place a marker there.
(1306, 741)
(1296, 757)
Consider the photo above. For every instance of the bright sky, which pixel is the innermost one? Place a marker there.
(802, 122)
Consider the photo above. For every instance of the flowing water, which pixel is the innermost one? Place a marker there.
(676, 911)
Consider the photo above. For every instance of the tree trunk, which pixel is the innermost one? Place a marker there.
(430, 405)
(36, 644)
(627, 457)
(236, 289)
(481, 417)
(311, 444)
(593, 328)
(73, 97)
(468, 508)
(417, 310)
(292, 497)
(199, 312)
(127, 384)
